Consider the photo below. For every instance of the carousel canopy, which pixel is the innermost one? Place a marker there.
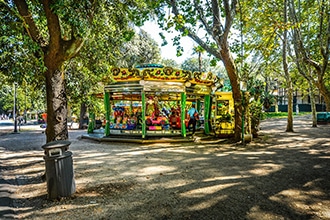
(156, 72)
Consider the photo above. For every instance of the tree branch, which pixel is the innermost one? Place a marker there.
(299, 46)
(192, 35)
(202, 17)
(53, 24)
(200, 42)
(29, 23)
(72, 47)
(218, 29)
(325, 48)
(230, 11)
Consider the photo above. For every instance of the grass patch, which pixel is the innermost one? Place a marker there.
(267, 115)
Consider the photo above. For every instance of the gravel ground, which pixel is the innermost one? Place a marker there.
(279, 175)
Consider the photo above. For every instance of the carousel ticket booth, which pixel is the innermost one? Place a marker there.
(153, 100)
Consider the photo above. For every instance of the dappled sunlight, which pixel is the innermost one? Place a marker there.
(207, 190)
(155, 170)
(222, 154)
(89, 154)
(161, 145)
(137, 152)
(207, 203)
(140, 152)
(279, 176)
(57, 210)
(219, 178)
(255, 153)
(304, 201)
(197, 159)
(176, 183)
(90, 162)
(313, 152)
(256, 212)
(265, 169)
(182, 150)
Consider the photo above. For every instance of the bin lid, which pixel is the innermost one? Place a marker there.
(56, 144)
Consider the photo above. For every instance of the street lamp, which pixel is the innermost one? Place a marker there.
(243, 88)
(14, 111)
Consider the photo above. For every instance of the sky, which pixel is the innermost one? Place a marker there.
(169, 51)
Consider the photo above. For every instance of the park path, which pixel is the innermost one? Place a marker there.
(279, 175)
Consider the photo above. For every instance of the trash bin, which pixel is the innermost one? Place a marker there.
(59, 169)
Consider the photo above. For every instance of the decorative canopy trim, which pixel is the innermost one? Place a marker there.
(163, 74)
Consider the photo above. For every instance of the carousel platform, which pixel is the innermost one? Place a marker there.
(98, 135)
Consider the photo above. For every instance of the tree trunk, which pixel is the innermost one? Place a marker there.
(237, 96)
(56, 103)
(200, 61)
(326, 95)
(56, 51)
(311, 94)
(327, 102)
(82, 116)
(289, 127)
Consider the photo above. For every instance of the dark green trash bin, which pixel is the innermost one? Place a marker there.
(59, 169)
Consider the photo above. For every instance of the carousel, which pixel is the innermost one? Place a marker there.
(153, 100)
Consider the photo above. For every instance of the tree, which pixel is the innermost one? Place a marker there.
(289, 127)
(214, 19)
(195, 65)
(59, 30)
(170, 62)
(140, 50)
(88, 69)
(311, 39)
(199, 50)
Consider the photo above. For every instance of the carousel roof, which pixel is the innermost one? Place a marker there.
(157, 72)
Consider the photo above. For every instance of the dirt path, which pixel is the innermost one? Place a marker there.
(278, 176)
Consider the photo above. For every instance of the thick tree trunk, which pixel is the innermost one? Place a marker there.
(237, 95)
(56, 104)
(56, 52)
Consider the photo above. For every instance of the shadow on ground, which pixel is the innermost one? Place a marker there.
(278, 176)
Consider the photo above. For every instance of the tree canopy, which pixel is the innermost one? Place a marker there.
(60, 44)
(54, 32)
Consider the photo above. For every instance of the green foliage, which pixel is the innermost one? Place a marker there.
(105, 26)
(170, 62)
(139, 50)
(274, 115)
(256, 114)
(226, 86)
(192, 64)
(267, 115)
(186, 21)
(27, 98)
(268, 100)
